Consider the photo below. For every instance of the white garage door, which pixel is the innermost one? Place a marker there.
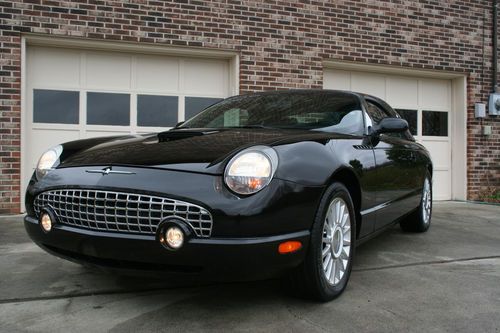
(425, 103)
(74, 94)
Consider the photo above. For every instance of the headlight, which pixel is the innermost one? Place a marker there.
(47, 161)
(251, 170)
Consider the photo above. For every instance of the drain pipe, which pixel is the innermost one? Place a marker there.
(495, 46)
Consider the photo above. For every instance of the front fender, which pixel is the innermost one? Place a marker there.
(313, 163)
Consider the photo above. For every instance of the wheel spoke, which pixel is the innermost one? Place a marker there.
(337, 212)
(332, 271)
(329, 267)
(326, 262)
(345, 217)
(337, 271)
(331, 217)
(341, 214)
(344, 264)
(327, 249)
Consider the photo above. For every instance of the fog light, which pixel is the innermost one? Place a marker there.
(174, 237)
(46, 222)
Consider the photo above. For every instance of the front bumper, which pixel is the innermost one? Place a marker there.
(245, 235)
(218, 258)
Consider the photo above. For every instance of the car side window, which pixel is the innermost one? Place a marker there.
(376, 113)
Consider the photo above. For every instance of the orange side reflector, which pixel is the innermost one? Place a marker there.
(289, 247)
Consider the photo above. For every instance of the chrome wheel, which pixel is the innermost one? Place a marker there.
(426, 201)
(336, 246)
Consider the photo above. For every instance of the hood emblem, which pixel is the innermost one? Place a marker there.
(108, 171)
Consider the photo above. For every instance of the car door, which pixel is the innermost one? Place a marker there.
(396, 160)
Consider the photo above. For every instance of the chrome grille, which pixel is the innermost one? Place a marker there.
(120, 211)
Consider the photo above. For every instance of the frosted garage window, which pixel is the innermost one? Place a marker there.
(158, 111)
(55, 106)
(108, 109)
(411, 117)
(193, 105)
(434, 123)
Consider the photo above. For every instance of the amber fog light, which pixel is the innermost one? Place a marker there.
(46, 222)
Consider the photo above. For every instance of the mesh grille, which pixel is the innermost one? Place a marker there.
(120, 212)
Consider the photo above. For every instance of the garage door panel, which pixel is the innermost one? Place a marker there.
(441, 185)
(337, 79)
(108, 71)
(435, 94)
(157, 74)
(440, 151)
(402, 92)
(54, 67)
(205, 77)
(372, 84)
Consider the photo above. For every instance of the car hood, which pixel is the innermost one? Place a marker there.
(182, 149)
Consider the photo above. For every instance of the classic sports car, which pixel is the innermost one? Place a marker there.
(253, 186)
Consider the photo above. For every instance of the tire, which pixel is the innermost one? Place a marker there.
(317, 277)
(420, 219)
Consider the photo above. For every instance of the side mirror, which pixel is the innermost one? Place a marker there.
(179, 124)
(391, 125)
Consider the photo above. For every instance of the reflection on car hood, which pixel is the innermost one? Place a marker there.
(182, 149)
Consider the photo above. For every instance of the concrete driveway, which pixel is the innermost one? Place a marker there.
(445, 280)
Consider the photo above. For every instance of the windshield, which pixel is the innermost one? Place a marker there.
(316, 110)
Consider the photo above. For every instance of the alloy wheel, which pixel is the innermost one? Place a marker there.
(336, 245)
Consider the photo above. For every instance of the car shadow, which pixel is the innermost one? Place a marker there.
(277, 287)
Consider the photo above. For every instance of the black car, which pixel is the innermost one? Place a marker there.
(254, 186)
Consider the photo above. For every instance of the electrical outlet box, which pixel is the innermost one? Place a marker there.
(480, 110)
(494, 107)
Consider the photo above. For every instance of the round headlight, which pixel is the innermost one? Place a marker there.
(251, 170)
(47, 161)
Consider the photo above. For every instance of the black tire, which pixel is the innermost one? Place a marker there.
(420, 219)
(309, 280)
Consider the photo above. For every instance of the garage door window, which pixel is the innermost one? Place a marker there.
(55, 106)
(434, 123)
(108, 109)
(411, 117)
(196, 104)
(157, 111)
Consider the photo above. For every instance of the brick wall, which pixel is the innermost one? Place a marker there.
(281, 44)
